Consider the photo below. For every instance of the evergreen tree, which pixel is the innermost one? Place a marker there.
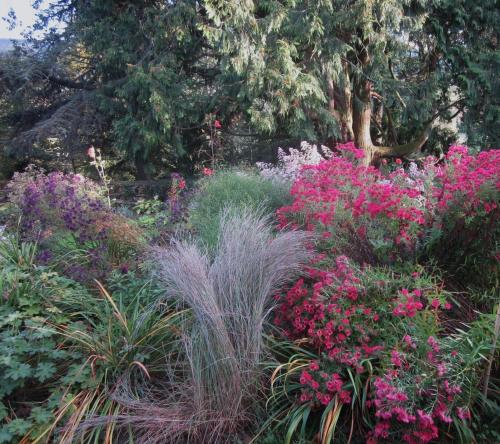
(374, 71)
(144, 67)
(145, 76)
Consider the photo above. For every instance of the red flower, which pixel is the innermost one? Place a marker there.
(217, 124)
(399, 161)
(207, 171)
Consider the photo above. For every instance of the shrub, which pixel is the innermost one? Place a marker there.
(451, 211)
(356, 210)
(236, 189)
(290, 165)
(367, 334)
(465, 228)
(376, 345)
(68, 215)
(57, 201)
(124, 238)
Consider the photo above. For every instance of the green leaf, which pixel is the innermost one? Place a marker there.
(45, 370)
(3, 411)
(5, 435)
(41, 415)
(19, 426)
(19, 371)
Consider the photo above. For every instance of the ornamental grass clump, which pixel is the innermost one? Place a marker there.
(230, 297)
(237, 189)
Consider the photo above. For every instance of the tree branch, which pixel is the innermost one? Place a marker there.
(407, 148)
(68, 83)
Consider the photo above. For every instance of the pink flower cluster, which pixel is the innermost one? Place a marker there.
(346, 326)
(355, 210)
(329, 308)
(408, 304)
(357, 207)
(341, 322)
(414, 411)
(470, 182)
(340, 195)
(321, 386)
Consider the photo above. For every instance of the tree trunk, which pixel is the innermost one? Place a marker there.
(340, 105)
(362, 113)
(378, 116)
(142, 172)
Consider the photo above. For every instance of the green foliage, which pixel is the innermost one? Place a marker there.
(150, 78)
(126, 329)
(122, 338)
(149, 212)
(158, 217)
(235, 189)
(467, 247)
(35, 361)
(466, 32)
(140, 68)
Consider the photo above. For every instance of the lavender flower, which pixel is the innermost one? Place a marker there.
(289, 165)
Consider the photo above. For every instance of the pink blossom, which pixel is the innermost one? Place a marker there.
(91, 152)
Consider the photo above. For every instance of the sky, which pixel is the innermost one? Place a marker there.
(25, 15)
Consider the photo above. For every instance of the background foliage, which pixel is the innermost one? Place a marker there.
(171, 84)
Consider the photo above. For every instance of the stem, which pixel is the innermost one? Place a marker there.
(99, 165)
(493, 351)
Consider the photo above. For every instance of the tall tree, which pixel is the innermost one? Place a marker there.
(369, 70)
(143, 66)
(467, 37)
(145, 75)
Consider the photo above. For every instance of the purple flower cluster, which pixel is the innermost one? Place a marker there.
(58, 201)
(58, 204)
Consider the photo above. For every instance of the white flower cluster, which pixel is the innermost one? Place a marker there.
(289, 165)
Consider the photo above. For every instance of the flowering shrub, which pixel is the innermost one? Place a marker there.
(381, 218)
(342, 310)
(375, 333)
(420, 392)
(57, 201)
(290, 165)
(69, 216)
(465, 230)
(356, 210)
